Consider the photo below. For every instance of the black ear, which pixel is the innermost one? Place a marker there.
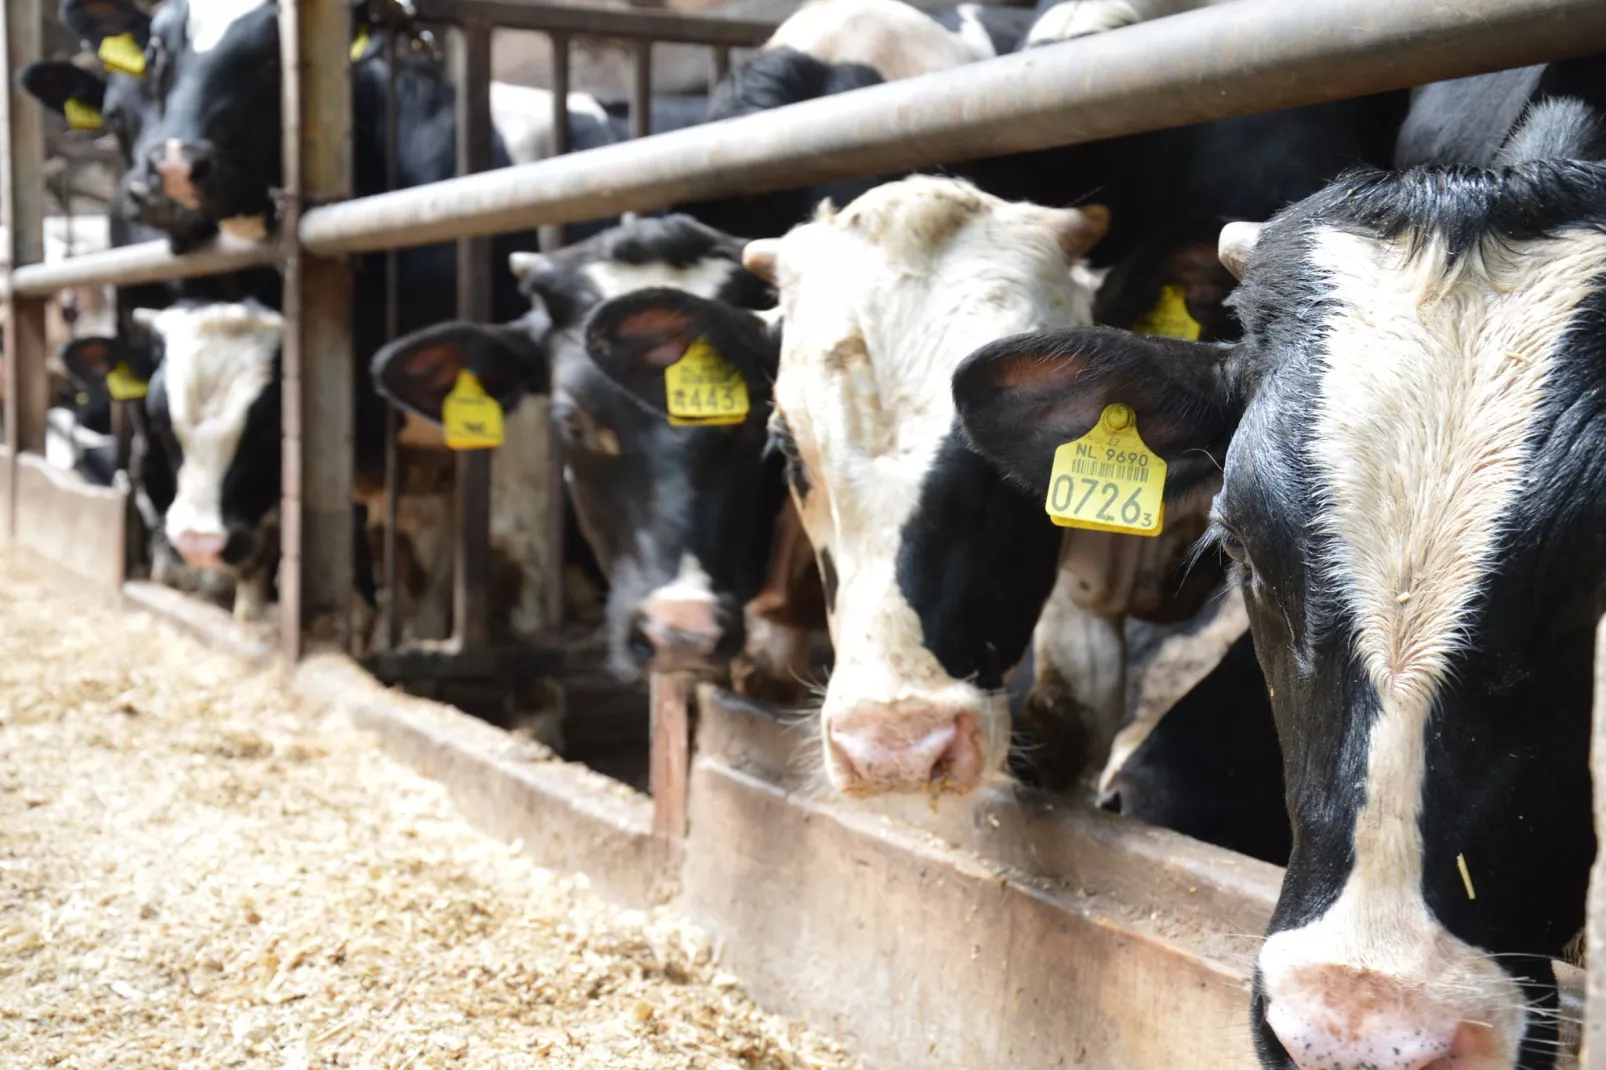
(418, 371)
(54, 83)
(1019, 399)
(95, 20)
(634, 337)
(88, 360)
(1174, 279)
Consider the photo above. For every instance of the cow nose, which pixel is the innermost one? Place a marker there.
(200, 550)
(179, 165)
(679, 634)
(1338, 1016)
(875, 749)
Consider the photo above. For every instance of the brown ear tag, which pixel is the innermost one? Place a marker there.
(123, 385)
(703, 389)
(1108, 480)
(1169, 318)
(123, 55)
(470, 417)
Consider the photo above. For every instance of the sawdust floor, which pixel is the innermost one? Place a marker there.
(194, 872)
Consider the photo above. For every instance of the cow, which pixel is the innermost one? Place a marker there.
(1407, 435)
(680, 519)
(934, 569)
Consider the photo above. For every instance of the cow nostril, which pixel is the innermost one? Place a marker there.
(640, 647)
(200, 167)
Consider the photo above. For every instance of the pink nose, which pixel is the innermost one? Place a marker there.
(875, 748)
(679, 633)
(1339, 1017)
(200, 550)
(176, 175)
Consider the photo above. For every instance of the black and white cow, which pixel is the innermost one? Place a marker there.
(1410, 431)
(680, 518)
(934, 568)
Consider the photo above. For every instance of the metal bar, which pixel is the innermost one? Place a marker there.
(722, 66)
(552, 239)
(669, 765)
(677, 27)
(641, 91)
(1231, 59)
(22, 174)
(390, 624)
(551, 236)
(150, 261)
(471, 69)
(316, 566)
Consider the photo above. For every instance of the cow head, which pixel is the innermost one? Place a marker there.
(1410, 435)
(934, 569)
(214, 403)
(679, 517)
(214, 153)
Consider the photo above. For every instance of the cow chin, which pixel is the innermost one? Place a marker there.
(951, 742)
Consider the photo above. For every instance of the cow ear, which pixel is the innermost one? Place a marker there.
(1019, 399)
(88, 360)
(54, 83)
(1172, 285)
(95, 20)
(418, 371)
(634, 337)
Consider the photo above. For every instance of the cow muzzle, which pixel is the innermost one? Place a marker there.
(908, 747)
(684, 634)
(181, 167)
(1335, 1016)
(200, 549)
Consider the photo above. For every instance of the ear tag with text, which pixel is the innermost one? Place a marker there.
(81, 116)
(359, 44)
(703, 389)
(123, 55)
(1169, 318)
(1108, 480)
(123, 385)
(471, 418)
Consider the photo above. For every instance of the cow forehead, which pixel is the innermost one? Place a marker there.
(216, 360)
(704, 277)
(209, 20)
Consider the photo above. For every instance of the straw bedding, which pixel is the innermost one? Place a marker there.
(196, 873)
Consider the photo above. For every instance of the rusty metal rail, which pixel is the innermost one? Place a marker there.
(149, 261)
(636, 25)
(1233, 59)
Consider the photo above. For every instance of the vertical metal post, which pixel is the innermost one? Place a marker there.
(22, 157)
(641, 91)
(470, 60)
(315, 577)
(391, 622)
(551, 238)
(722, 66)
(552, 235)
(669, 766)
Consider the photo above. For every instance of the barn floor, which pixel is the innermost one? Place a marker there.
(195, 872)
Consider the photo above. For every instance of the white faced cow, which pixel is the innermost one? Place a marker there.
(934, 570)
(1411, 436)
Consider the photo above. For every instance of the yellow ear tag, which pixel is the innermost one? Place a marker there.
(81, 116)
(123, 55)
(1169, 317)
(359, 44)
(472, 419)
(1108, 480)
(122, 385)
(703, 389)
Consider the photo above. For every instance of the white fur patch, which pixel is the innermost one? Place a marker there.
(209, 20)
(1422, 435)
(218, 360)
(880, 303)
(896, 39)
(973, 33)
(705, 278)
(522, 116)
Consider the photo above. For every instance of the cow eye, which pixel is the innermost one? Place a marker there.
(1231, 544)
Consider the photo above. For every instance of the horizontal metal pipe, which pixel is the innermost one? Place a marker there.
(150, 261)
(1229, 59)
(677, 27)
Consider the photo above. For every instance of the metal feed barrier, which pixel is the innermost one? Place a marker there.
(1083, 969)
